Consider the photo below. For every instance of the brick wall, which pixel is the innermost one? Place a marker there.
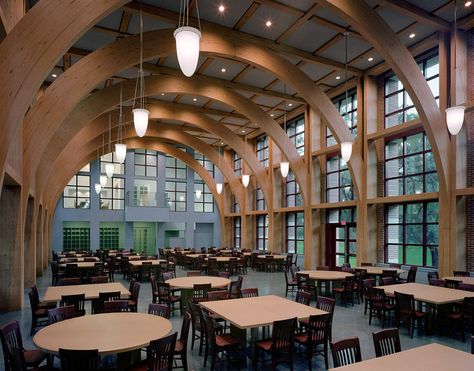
(469, 122)
(380, 171)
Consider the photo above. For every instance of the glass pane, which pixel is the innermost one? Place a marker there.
(432, 256)
(414, 255)
(414, 234)
(414, 213)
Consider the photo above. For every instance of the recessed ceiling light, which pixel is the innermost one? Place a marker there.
(243, 131)
(412, 35)
(338, 77)
(467, 3)
(222, 143)
(194, 99)
(162, 94)
(222, 8)
(271, 114)
(54, 75)
(290, 104)
(268, 23)
(370, 59)
(223, 69)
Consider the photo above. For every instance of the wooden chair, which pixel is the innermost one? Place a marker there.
(79, 360)
(218, 343)
(223, 275)
(56, 275)
(304, 283)
(366, 285)
(290, 282)
(411, 276)
(181, 348)
(433, 275)
(165, 297)
(366, 264)
(99, 279)
(69, 281)
(133, 301)
(11, 339)
(405, 312)
(472, 344)
(461, 274)
(115, 306)
(198, 329)
(280, 345)
(379, 305)
(78, 300)
(61, 313)
(395, 265)
(39, 316)
(235, 287)
(437, 282)
(160, 310)
(345, 352)
(217, 295)
(452, 284)
(193, 273)
(303, 297)
(346, 292)
(249, 292)
(388, 280)
(455, 319)
(386, 342)
(466, 287)
(200, 292)
(41, 304)
(316, 334)
(97, 304)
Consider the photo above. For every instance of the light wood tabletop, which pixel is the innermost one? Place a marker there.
(468, 280)
(109, 332)
(431, 357)
(428, 294)
(81, 259)
(379, 270)
(195, 256)
(277, 257)
(259, 311)
(222, 259)
(82, 265)
(91, 291)
(189, 282)
(154, 262)
(327, 275)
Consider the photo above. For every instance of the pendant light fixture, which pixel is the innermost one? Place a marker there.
(219, 186)
(187, 40)
(109, 166)
(245, 177)
(346, 146)
(140, 113)
(103, 180)
(97, 187)
(120, 148)
(455, 114)
(198, 193)
(284, 165)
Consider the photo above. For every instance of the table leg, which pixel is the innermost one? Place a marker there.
(186, 295)
(126, 359)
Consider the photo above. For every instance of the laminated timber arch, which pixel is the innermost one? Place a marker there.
(59, 181)
(30, 51)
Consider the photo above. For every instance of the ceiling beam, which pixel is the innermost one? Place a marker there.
(246, 16)
(298, 24)
(125, 22)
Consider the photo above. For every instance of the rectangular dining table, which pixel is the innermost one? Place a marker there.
(431, 357)
(91, 291)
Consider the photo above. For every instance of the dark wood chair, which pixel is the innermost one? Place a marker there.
(61, 313)
(386, 342)
(366, 264)
(165, 297)
(303, 297)
(395, 265)
(217, 343)
(198, 328)
(388, 280)
(366, 285)
(97, 304)
(346, 292)
(79, 360)
(290, 282)
(316, 334)
(115, 306)
(456, 318)
(345, 352)
(466, 286)
(405, 312)
(160, 310)
(472, 344)
(379, 305)
(437, 282)
(235, 287)
(451, 284)
(461, 274)
(304, 283)
(223, 275)
(193, 273)
(200, 292)
(280, 345)
(41, 304)
(249, 292)
(78, 300)
(181, 348)
(411, 276)
(433, 275)
(10, 336)
(217, 295)
(70, 281)
(99, 279)
(133, 301)
(39, 316)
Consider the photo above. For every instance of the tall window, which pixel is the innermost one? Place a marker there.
(205, 162)
(409, 166)
(237, 164)
(237, 232)
(338, 181)
(204, 204)
(399, 107)
(295, 233)
(112, 196)
(175, 168)
(293, 194)
(119, 169)
(295, 131)
(262, 232)
(259, 199)
(348, 111)
(176, 194)
(341, 216)
(235, 205)
(145, 162)
(77, 192)
(411, 234)
(262, 149)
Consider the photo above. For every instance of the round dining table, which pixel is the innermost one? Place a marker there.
(123, 334)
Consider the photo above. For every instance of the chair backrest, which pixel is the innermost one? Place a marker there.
(223, 274)
(164, 291)
(395, 265)
(346, 352)
(461, 274)
(404, 305)
(452, 284)
(294, 269)
(283, 334)
(159, 353)
(79, 360)
(386, 342)
(376, 298)
(303, 281)
(200, 291)
(466, 286)
(251, 292)
(34, 301)
(193, 273)
(195, 310)
(153, 283)
(326, 304)
(366, 264)
(303, 297)
(322, 268)
(78, 300)
(10, 336)
(234, 289)
(132, 282)
(167, 276)
(389, 280)
(183, 337)
(349, 283)
(61, 313)
(318, 328)
(217, 295)
(108, 296)
(99, 279)
(366, 284)
(68, 281)
(160, 310)
(210, 330)
(432, 275)
(135, 292)
(437, 282)
(115, 306)
(411, 277)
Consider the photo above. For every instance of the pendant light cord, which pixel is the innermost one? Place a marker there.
(119, 135)
(346, 34)
(110, 130)
(183, 20)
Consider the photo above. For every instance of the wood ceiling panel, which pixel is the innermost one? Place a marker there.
(337, 51)
(92, 40)
(232, 69)
(310, 36)
(257, 78)
(208, 10)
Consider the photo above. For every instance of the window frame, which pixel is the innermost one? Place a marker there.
(205, 191)
(262, 149)
(76, 187)
(112, 199)
(173, 204)
(146, 166)
(261, 224)
(295, 228)
(293, 125)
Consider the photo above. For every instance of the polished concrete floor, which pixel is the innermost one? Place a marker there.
(348, 321)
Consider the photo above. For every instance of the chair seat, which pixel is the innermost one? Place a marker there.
(41, 312)
(454, 315)
(339, 289)
(266, 345)
(180, 346)
(44, 305)
(419, 314)
(34, 357)
(226, 340)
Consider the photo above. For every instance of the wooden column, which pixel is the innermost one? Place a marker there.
(39, 241)
(29, 244)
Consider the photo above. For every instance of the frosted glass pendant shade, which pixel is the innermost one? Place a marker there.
(140, 120)
(346, 151)
(97, 187)
(245, 180)
(219, 188)
(187, 48)
(284, 168)
(103, 180)
(198, 193)
(120, 152)
(109, 170)
(455, 118)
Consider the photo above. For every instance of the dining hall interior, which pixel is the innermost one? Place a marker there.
(251, 184)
